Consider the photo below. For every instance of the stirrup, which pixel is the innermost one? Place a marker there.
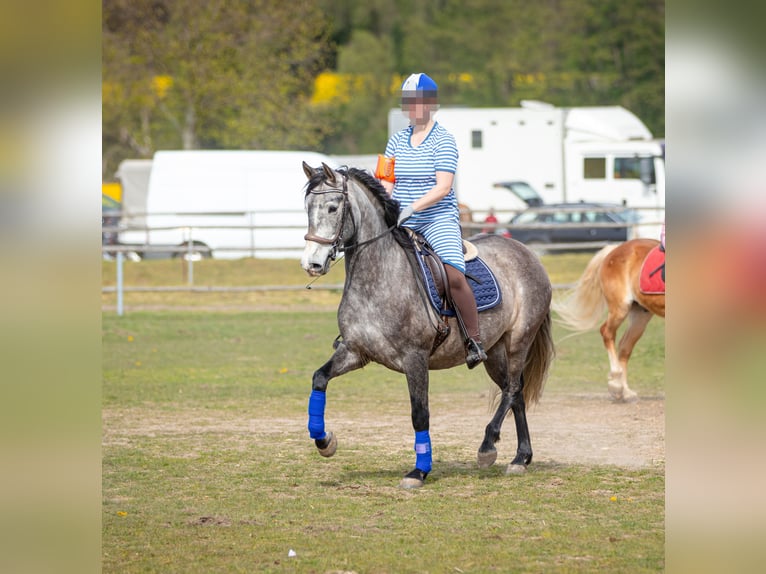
(474, 353)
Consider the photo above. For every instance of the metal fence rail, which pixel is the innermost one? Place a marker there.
(189, 249)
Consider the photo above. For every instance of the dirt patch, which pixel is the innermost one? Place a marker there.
(585, 429)
(591, 429)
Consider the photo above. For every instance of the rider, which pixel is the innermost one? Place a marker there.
(425, 163)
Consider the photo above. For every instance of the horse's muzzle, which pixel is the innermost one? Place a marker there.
(315, 269)
(317, 257)
(315, 266)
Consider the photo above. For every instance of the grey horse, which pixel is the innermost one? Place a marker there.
(382, 316)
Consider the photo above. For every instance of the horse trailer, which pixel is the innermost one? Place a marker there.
(600, 154)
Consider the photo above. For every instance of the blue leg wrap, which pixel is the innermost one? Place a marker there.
(423, 451)
(316, 414)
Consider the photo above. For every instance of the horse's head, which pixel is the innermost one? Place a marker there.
(326, 205)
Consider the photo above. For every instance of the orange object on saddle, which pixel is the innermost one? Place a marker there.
(385, 168)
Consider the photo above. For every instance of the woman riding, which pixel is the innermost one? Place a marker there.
(425, 157)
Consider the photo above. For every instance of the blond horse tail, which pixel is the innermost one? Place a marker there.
(582, 307)
(539, 359)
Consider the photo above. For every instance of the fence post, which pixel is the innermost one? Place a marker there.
(120, 258)
(189, 262)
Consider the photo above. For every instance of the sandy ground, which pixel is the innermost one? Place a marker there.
(585, 429)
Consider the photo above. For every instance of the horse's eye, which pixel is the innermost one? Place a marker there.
(332, 209)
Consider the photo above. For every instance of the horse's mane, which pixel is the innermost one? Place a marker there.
(390, 205)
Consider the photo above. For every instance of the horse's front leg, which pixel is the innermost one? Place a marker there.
(341, 362)
(417, 382)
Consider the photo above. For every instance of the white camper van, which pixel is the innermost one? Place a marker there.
(225, 204)
(592, 154)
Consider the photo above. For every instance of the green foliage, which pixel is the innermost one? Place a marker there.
(243, 73)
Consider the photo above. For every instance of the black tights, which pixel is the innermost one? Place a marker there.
(464, 301)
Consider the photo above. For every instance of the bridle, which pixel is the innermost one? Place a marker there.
(335, 240)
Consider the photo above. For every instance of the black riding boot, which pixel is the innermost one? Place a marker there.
(467, 316)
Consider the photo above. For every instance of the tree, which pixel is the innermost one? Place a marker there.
(213, 73)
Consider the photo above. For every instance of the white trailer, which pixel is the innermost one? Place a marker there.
(599, 154)
(227, 204)
(133, 175)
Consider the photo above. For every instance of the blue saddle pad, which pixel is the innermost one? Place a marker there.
(485, 288)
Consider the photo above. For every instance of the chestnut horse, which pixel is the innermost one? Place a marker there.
(611, 281)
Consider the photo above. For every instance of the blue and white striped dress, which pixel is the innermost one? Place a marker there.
(415, 170)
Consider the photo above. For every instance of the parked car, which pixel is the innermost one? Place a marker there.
(573, 223)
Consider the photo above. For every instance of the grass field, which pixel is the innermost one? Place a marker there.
(208, 467)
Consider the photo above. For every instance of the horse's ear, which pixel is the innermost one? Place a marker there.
(308, 170)
(329, 173)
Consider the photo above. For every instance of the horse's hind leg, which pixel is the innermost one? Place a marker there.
(638, 319)
(614, 318)
(511, 398)
(341, 362)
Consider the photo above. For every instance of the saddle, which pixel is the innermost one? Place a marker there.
(433, 277)
(652, 276)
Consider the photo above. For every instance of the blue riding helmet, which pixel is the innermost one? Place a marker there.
(419, 86)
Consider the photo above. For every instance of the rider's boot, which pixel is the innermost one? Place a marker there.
(474, 352)
(467, 317)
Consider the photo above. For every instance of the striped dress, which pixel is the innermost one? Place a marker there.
(415, 170)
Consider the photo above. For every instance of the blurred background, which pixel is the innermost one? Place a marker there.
(85, 85)
(263, 75)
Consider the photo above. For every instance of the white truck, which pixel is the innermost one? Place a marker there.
(226, 204)
(600, 154)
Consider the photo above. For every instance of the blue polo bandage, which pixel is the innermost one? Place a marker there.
(316, 414)
(423, 451)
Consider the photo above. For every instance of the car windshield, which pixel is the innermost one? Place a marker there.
(527, 217)
(524, 190)
(628, 215)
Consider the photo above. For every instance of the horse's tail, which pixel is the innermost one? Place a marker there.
(581, 308)
(539, 360)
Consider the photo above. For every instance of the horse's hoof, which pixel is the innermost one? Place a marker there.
(410, 483)
(516, 469)
(486, 459)
(328, 445)
(414, 479)
(615, 391)
(630, 396)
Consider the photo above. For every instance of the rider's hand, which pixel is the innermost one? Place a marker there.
(405, 215)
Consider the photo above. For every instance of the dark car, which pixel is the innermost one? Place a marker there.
(573, 223)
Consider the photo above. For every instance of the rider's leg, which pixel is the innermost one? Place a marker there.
(465, 304)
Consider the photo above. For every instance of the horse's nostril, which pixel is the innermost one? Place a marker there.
(315, 269)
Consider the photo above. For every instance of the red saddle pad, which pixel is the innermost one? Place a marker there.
(650, 280)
